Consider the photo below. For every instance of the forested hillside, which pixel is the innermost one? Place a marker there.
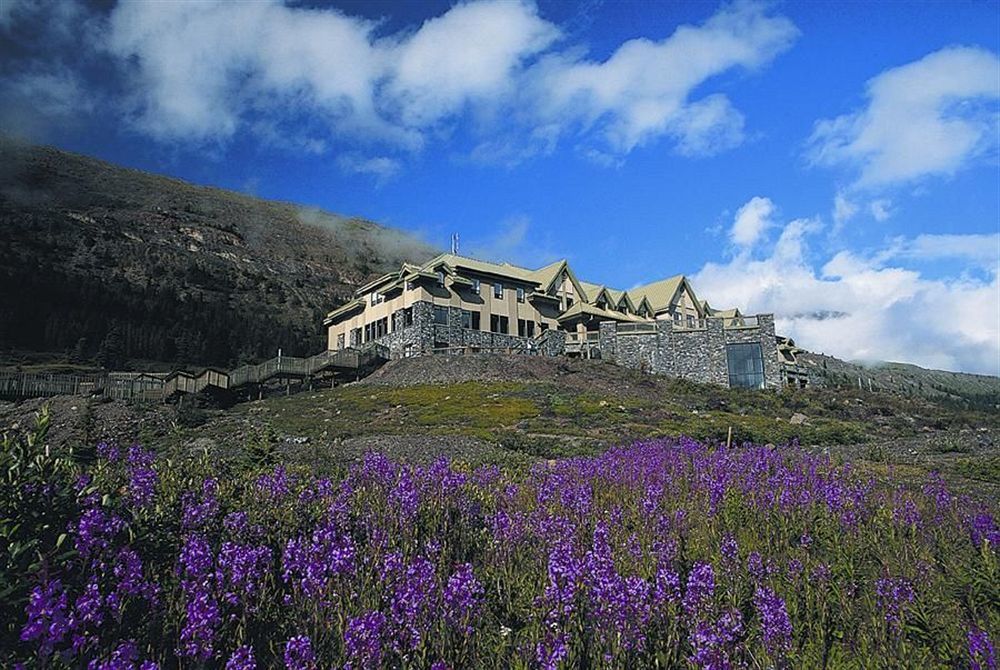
(124, 268)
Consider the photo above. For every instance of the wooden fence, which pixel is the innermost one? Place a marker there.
(157, 386)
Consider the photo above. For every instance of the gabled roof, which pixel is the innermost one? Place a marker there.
(659, 293)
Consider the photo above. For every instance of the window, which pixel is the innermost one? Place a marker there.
(440, 314)
(355, 336)
(522, 328)
(475, 286)
(407, 316)
(520, 294)
(340, 341)
(543, 326)
(466, 319)
(410, 285)
(475, 321)
(746, 365)
(374, 298)
(440, 277)
(499, 324)
(497, 290)
(569, 302)
(531, 329)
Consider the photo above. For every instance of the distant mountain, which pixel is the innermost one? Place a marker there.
(103, 262)
(957, 389)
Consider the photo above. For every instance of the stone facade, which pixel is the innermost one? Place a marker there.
(421, 336)
(697, 353)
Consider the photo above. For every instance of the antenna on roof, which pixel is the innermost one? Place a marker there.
(454, 243)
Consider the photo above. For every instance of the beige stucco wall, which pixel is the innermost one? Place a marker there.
(460, 296)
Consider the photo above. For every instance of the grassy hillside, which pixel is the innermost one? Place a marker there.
(516, 410)
(102, 262)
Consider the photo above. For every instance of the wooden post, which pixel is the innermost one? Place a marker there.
(729, 438)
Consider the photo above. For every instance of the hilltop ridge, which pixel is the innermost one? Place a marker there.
(105, 260)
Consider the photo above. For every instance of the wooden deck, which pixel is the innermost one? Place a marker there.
(159, 386)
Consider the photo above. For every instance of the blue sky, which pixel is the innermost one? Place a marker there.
(833, 163)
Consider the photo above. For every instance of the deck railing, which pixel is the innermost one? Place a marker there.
(146, 386)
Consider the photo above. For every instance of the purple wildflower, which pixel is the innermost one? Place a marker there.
(299, 653)
(774, 620)
(242, 658)
(48, 622)
(893, 595)
(982, 656)
(700, 588)
(363, 639)
(198, 512)
(142, 477)
(462, 597)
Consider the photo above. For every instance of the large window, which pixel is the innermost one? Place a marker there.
(746, 365)
(499, 324)
(440, 314)
(467, 318)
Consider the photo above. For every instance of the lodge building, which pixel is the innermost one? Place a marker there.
(455, 304)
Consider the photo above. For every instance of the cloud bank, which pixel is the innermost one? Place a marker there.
(203, 72)
(873, 306)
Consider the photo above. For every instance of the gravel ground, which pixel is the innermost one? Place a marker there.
(76, 420)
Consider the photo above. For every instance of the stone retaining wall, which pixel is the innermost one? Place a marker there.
(695, 354)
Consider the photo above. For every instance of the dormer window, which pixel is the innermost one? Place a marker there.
(440, 277)
(498, 290)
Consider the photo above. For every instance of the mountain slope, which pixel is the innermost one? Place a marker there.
(105, 261)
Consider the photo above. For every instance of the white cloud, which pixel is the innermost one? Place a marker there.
(752, 220)
(981, 249)
(642, 90)
(928, 117)
(380, 167)
(881, 209)
(202, 72)
(877, 307)
(843, 209)
(469, 53)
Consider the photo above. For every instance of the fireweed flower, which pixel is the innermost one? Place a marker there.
(275, 485)
(552, 650)
(299, 654)
(109, 452)
(777, 628)
(982, 656)
(142, 477)
(413, 599)
(123, 657)
(363, 640)
(240, 572)
(715, 644)
(196, 513)
(242, 658)
(312, 564)
(48, 617)
(700, 589)
(893, 595)
(462, 597)
(94, 531)
(730, 551)
(983, 530)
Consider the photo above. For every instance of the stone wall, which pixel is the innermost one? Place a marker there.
(696, 354)
(422, 336)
